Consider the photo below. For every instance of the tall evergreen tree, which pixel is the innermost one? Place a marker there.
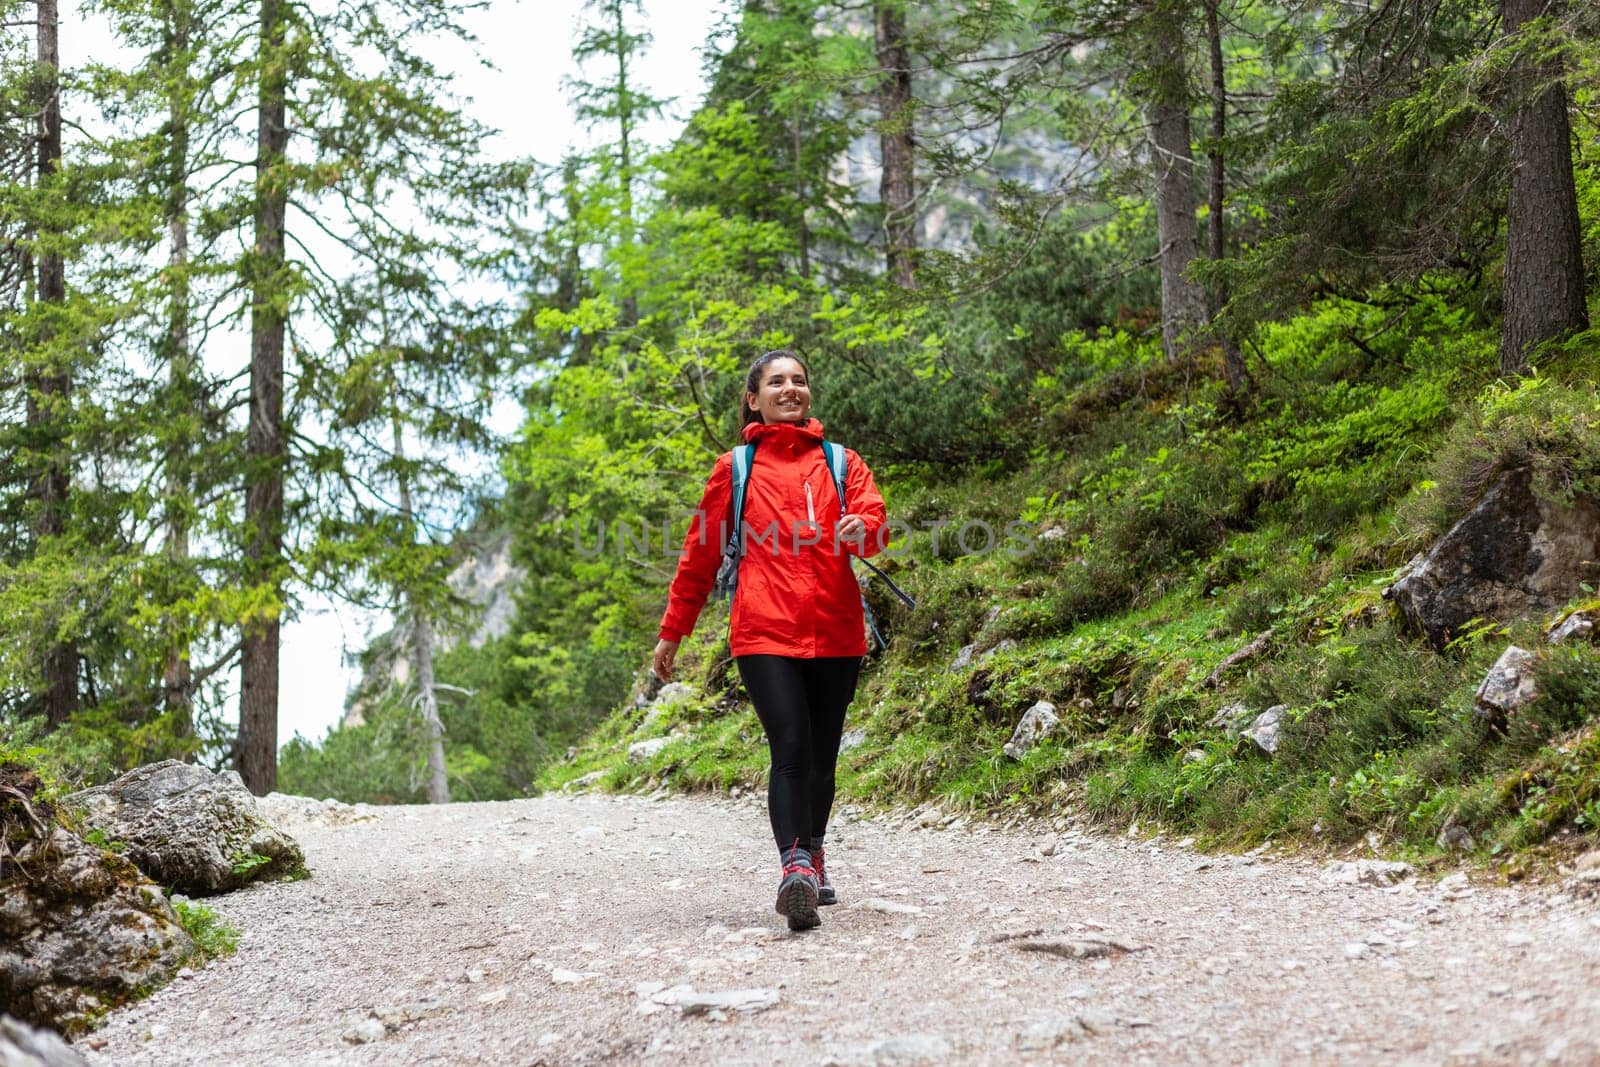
(617, 101)
(1165, 88)
(1544, 279)
(1233, 368)
(897, 150)
(256, 753)
(49, 379)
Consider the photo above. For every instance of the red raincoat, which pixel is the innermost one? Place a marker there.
(796, 596)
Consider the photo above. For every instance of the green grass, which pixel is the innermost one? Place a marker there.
(213, 937)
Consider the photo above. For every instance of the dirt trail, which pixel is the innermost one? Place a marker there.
(560, 930)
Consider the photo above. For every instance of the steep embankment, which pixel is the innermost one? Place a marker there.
(561, 930)
(1194, 572)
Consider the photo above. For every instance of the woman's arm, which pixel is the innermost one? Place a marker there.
(701, 555)
(864, 517)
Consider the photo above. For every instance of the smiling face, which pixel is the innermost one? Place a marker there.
(783, 394)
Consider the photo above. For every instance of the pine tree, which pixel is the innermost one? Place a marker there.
(896, 141)
(49, 381)
(256, 751)
(618, 101)
(1544, 280)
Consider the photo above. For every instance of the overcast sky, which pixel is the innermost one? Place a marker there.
(528, 43)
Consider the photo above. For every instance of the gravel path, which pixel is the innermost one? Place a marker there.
(576, 930)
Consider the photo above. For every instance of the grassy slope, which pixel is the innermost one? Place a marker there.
(1182, 534)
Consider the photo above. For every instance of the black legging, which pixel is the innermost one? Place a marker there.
(801, 705)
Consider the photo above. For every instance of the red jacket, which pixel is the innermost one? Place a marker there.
(796, 595)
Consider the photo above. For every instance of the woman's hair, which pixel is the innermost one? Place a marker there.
(752, 382)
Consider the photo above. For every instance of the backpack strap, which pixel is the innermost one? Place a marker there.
(733, 546)
(839, 465)
(743, 457)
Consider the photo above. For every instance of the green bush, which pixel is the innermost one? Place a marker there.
(213, 937)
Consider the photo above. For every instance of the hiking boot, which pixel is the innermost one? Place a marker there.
(797, 892)
(825, 893)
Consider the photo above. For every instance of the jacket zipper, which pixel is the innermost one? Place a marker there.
(811, 514)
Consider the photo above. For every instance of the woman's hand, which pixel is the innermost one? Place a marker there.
(666, 652)
(853, 528)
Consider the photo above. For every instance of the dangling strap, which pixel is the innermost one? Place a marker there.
(743, 456)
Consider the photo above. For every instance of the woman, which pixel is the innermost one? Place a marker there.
(797, 631)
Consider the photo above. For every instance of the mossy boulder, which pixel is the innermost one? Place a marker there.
(189, 828)
(1515, 554)
(81, 929)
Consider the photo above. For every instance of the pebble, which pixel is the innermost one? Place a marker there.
(364, 1032)
(909, 1049)
(889, 907)
(562, 976)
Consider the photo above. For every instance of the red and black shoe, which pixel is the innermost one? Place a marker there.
(797, 891)
(825, 893)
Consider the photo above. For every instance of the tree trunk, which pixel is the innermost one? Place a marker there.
(177, 678)
(421, 635)
(1233, 368)
(428, 704)
(803, 232)
(1183, 304)
(629, 316)
(257, 755)
(897, 186)
(50, 384)
(1544, 284)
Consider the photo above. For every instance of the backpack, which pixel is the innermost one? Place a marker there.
(733, 549)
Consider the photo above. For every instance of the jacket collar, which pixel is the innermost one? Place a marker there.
(790, 435)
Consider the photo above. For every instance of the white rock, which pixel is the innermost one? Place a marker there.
(911, 1048)
(1355, 950)
(673, 693)
(745, 1000)
(365, 1032)
(889, 907)
(1005, 645)
(1052, 1033)
(562, 976)
(1578, 625)
(852, 739)
(1264, 729)
(1229, 715)
(640, 751)
(1037, 723)
(1367, 872)
(1508, 686)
